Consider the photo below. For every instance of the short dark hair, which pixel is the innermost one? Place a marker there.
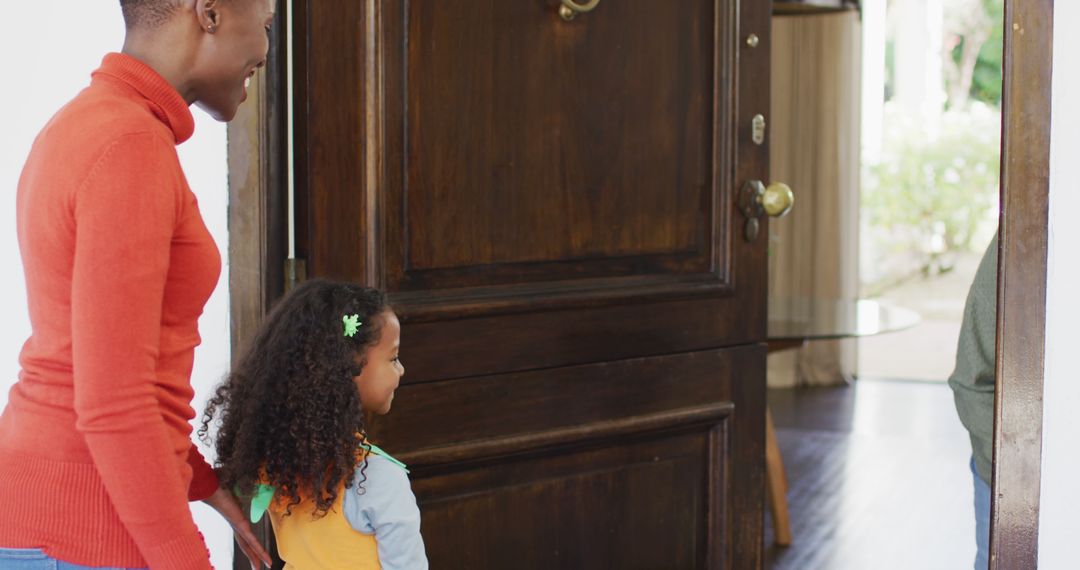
(147, 13)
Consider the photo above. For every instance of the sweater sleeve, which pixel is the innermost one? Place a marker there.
(125, 214)
(203, 479)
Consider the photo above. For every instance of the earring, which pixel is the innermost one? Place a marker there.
(211, 29)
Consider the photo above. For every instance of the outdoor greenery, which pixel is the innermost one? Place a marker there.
(933, 191)
(973, 40)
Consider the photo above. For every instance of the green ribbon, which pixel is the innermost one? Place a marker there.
(264, 494)
(378, 451)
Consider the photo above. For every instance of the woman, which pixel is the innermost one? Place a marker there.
(95, 452)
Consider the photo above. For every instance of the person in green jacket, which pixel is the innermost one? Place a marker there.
(972, 382)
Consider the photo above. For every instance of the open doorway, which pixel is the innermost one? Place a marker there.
(931, 124)
(890, 121)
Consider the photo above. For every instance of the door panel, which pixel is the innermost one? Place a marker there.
(551, 206)
(598, 136)
(507, 155)
(566, 398)
(568, 511)
(565, 464)
(549, 338)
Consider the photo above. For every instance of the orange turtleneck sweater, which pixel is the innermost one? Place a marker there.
(96, 458)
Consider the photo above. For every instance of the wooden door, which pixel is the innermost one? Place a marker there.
(553, 206)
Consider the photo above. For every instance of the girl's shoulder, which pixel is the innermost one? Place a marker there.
(379, 473)
(380, 492)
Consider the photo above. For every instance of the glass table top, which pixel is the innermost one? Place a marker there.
(804, 318)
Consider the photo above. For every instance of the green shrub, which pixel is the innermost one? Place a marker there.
(934, 189)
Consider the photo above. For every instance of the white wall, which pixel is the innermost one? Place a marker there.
(49, 48)
(1059, 524)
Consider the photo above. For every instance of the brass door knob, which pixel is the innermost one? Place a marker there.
(756, 199)
(777, 199)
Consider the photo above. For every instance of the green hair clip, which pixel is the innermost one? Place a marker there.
(352, 324)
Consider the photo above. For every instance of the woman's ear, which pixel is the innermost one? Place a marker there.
(208, 15)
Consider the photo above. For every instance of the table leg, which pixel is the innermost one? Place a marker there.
(776, 484)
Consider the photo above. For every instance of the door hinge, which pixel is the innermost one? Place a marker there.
(295, 272)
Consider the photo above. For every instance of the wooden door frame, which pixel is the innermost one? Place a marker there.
(258, 192)
(257, 150)
(1021, 308)
(258, 213)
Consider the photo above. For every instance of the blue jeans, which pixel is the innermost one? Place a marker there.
(982, 520)
(35, 559)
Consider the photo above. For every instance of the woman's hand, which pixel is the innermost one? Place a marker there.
(226, 504)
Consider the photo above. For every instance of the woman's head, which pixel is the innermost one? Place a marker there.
(210, 48)
(292, 407)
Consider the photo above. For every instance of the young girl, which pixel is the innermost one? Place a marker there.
(291, 436)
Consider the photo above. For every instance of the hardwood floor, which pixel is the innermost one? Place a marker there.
(878, 478)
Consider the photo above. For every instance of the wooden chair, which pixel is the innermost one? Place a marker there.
(776, 484)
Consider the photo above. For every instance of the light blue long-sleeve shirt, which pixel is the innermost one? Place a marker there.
(386, 507)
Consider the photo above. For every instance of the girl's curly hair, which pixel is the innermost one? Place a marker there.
(289, 414)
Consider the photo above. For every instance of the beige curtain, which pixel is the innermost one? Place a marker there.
(814, 148)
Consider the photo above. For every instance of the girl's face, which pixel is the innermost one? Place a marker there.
(383, 371)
